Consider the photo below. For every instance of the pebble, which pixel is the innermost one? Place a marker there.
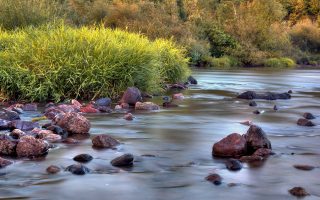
(78, 169)
(233, 164)
(53, 169)
(298, 192)
(214, 178)
(83, 158)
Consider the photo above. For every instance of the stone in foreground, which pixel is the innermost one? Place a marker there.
(233, 164)
(73, 123)
(308, 115)
(29, 146)
(234, 145)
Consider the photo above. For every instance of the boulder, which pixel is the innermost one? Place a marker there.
(298, 192)
(104, 141)
(53, 169)
(267, 96)
(146, 106)
(125, 160)
(83, 158)
(24, 125)
(234, 145)
(233, 164)
(78, 169)
(73, 122)
(256, 139)
(214, 178)
(308, 115)
(131, 96)
(30, 107)
(7, 146)
(305, 122)
(103, 102)
(29, 146)
(4, 162)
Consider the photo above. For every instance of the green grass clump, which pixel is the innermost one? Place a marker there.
(224, 62)
(56, 62)
(279, 63)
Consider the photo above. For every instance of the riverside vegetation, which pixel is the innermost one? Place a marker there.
(112, 44)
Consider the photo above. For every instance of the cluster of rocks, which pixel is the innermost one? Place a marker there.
(306, 120)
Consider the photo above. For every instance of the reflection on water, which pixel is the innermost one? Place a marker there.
(177, 146)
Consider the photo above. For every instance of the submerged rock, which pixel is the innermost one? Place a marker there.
(17, 133)
(252, 103)
(4, 124)
(53, 169)
(7, 146)
(192, 80)
(146, 106)
(9, 115)
(298, 192)
(234, 145)
(308, 115)
(73, 123)
(253, 158)
(131, 96)
(30, 107)
(305, 122)
(103, 102)
(29, 146)
(128, 117)
(263, 152)
(233, 164)
(4, 162)
(104, 141)
(257, 112)
(256, 139)
(304, 167)
(24, 125)
(78, 169)
(125, 160)
(214, 178)
(275, 108)
(83, 158)
(169, 105)
(266, 96)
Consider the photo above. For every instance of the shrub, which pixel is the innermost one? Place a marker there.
(224, 62)
(279, 63)
(58, 62)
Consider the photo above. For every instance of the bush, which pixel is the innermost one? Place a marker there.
(279, 63)
(58, 62)
(224, 62)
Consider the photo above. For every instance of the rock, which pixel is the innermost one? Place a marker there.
(9, 115)
(70, 141)
(118, 107)
(4, 162)
(177, 86)
(78, 169)
(128, 117)
(246, 123)
(49, 136)
(263, 152)
(103, 102)
(83, 158)
(125, 160)
(29, 146)
(290, 92)
(53, 169)
(304, 167)
(24, 125)
(146, 95)
(125, 105)
(256, 139)
(266, 96)
(234, 145)
(252, 103)
(4, 124)
(51, 112)
(17, 133)
(146, 106)
(298, 192)
(30, 107)
(104, 141)
(17, 110)
(131, 96)
(76, 104)
(169, 105)
(7, 146)
(89, 109)
(308, 115)
(192, 80)
(73, 123)
(178, 96)
(275, 107)
(233, 164)
(58, 130)
(214, 178)
(166, 98)
(67, 108)
(257, 112)
(104, 109)
(305, 122)
(253, 158)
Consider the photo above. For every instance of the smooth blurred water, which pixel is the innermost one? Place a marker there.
(181, 140)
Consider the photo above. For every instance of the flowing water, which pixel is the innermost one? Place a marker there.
(173, 146)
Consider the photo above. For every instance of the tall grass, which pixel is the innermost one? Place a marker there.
(55, 62)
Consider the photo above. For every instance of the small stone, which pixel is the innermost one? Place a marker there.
(83, 158)
(290, 92)
(263, 152)
(125, 105)
(104, 141)
(131, 96)
(128, 117)
(89, 109)
(298, 192)
(30, 107)
(304, 167)
(4, 124)
(76, 103)
(78, 169)
(125, 160)
(49, 136)
(178, 96)
(257, 112)
(192, 80)
(4, 162)
(53, 169)
(252, 158)
(17, 110)
(275, 107)
(305, 122)
(308, 115)
(214, 178)
(118, 107)
(232, 184)
(146, 106)
(58, 130)
(103, 101)
(70, 141)
(252, 103)
(169, 105)
(246, 123)
(233, 164)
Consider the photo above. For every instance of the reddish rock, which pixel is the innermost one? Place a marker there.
(125, 160)
(128, 117)
(53, 169)
(52, 112)
(298, 192)
(304, 167)
(73, 123)
(67, 108)
(146, 106)
(17, 133)
(24, 125)
(234, 145)
(131, 96)
(256, 139)
(125, 105)
(308, 115)
(29, 146)
(263, 152)
(178, 96)
(104, 141)
(48, 135)
(76, 104)
(71, 141)
(4, 162)
(252, 158)
(214, 178)
(7, 146)
(305, 122)
(89, 109)
(30, 107)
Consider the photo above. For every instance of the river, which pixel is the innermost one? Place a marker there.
(173, 146)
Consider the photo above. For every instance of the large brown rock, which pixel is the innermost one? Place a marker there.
(305, 122)
(7, 146)
(29, 146)
(146, 106)
(4, 162)
(131, 96)
(256, 139)
(73, 123)
(104, 141)
(234, 145)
